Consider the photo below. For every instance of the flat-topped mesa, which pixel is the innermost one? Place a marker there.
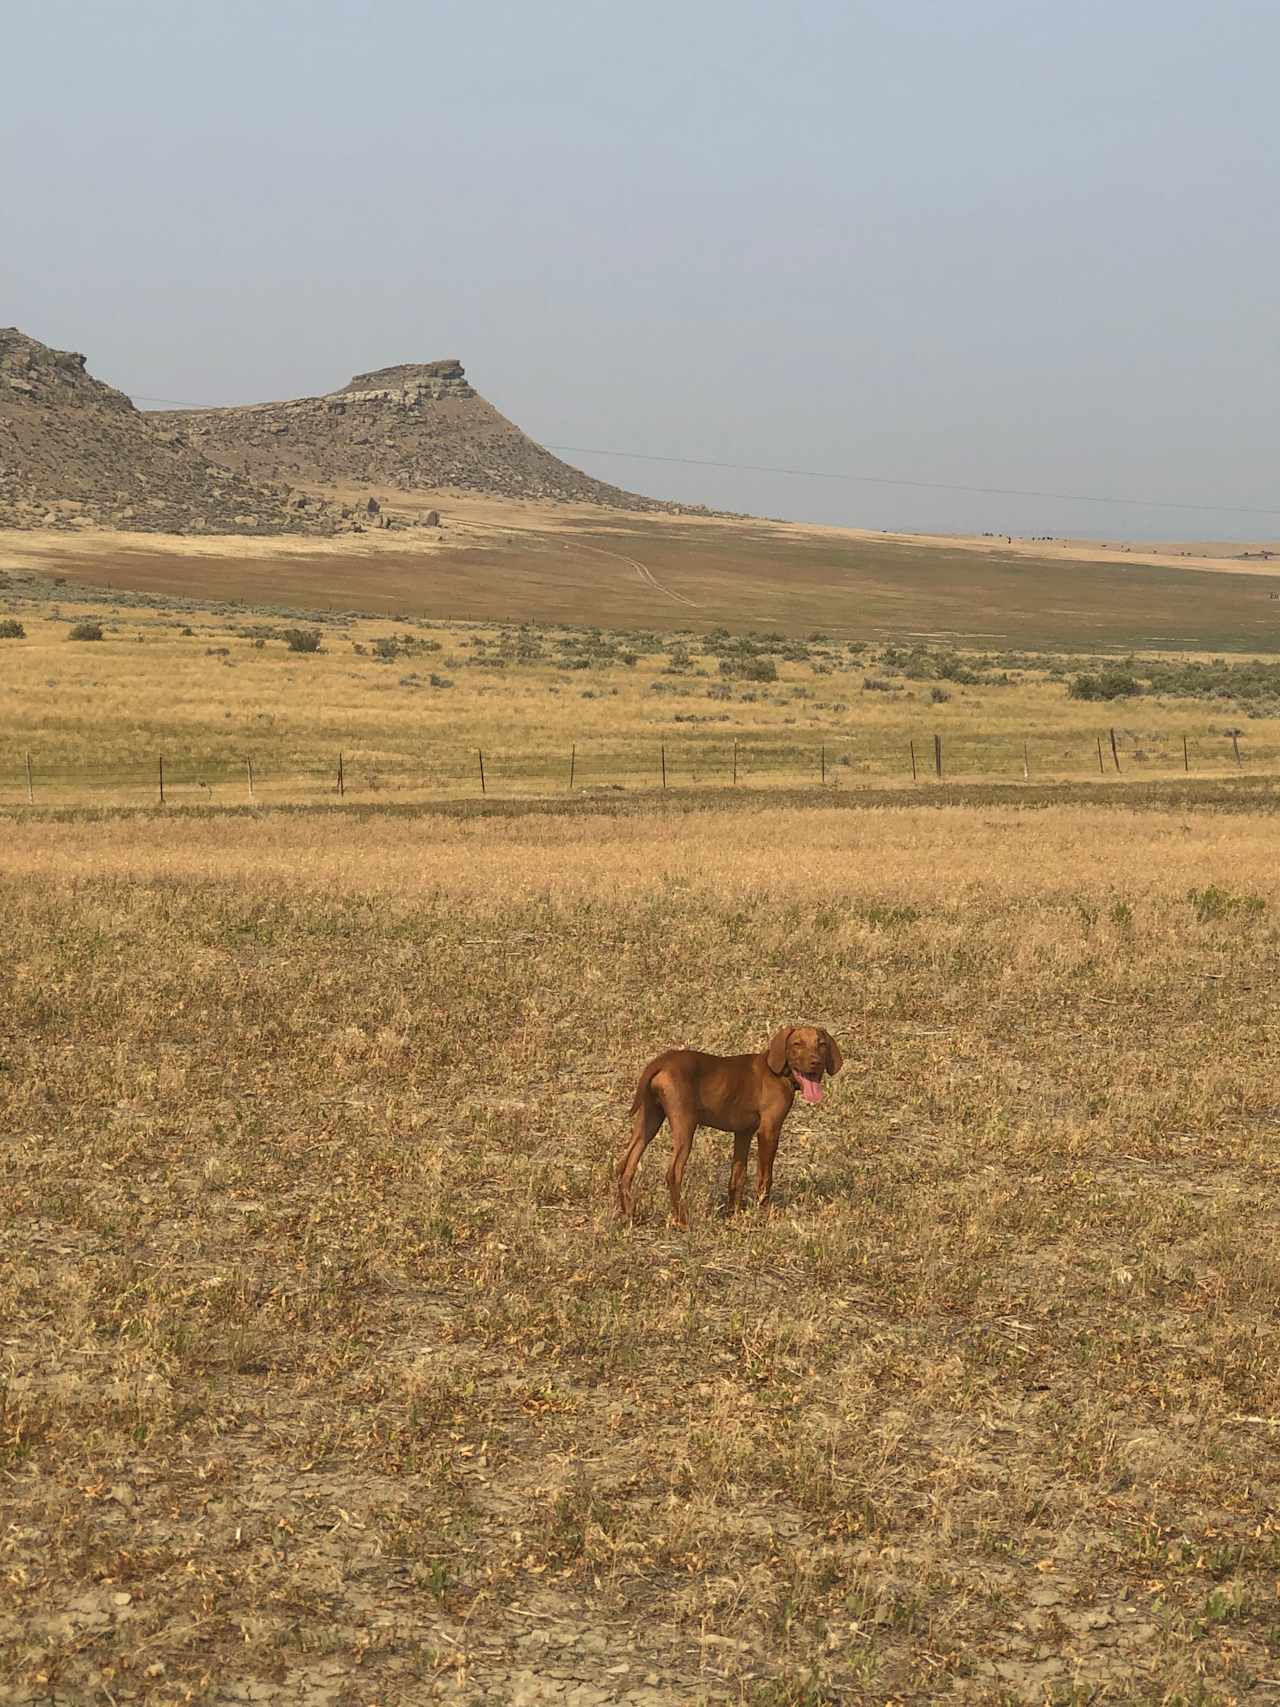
(411, 427)
(75, 452)
(409, 382)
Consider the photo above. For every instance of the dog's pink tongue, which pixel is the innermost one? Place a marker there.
(810, 1089)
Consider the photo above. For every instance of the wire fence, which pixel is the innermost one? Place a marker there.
(163, 779)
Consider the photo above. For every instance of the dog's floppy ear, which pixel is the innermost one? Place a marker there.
(835, 1060)
(777, 1052)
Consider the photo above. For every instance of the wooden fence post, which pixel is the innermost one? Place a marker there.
(1235, 742)
(31, 797)
(1186, 762)
(1114, 754)
(1101, 769)
(822, 764)
(248, 767)
(662, 751)
(573, 763)
(162, 779)
(342, 782)
(735, 763)
(912, 745)
(1026, 768)
(937, 755)
(480, 756)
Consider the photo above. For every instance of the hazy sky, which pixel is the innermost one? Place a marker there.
(1013, 243)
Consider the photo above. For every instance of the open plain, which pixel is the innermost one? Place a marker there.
(417, 713)
(221, 690)
(502, 560)
(330, 1378)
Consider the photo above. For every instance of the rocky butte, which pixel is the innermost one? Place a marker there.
(76, 453)
(415, 427)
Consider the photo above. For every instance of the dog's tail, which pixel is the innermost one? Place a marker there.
(643, 1089)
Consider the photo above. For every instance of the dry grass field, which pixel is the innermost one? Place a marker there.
(500, 561)
(409, 704)
(328, 1377)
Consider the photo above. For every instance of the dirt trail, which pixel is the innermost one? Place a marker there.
(646, 575)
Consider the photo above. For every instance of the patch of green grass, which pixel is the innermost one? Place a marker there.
(1213, 903)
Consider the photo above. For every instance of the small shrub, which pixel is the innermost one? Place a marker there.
(302, 639)
(440, 681)
(952, 670)
(939, 696)
(750, 669)
(86, 631)
(1105, 684)
(12, 630)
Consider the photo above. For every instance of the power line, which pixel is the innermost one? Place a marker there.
(923, 485)
(859, 479)
(178, 402)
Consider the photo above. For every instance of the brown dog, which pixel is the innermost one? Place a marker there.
(748, 1095)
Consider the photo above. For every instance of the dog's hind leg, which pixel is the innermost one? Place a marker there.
(683, 1127)
(646, 1120)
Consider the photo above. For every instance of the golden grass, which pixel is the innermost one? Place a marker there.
(511, 561)
(97, 717)
(328, 1371)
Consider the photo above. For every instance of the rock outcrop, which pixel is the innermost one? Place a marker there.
(416, 427)
(75, 452)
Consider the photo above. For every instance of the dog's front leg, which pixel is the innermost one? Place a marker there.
(738, 1175)
(766, 1150)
